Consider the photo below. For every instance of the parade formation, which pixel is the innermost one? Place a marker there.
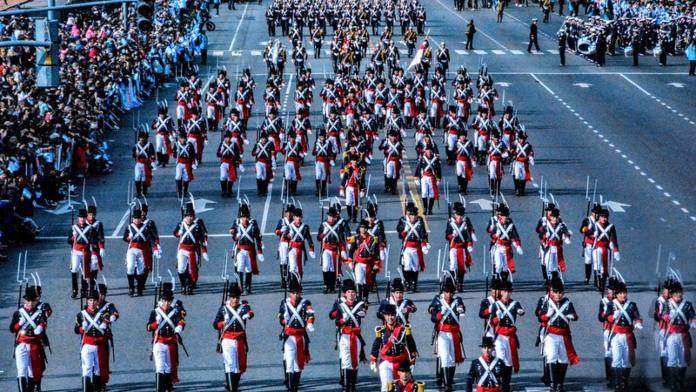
(428, 128)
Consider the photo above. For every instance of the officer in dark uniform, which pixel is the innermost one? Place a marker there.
(485, 373)
(562, 43)
(533, 36)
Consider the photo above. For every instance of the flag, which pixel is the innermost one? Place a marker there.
(419, 55)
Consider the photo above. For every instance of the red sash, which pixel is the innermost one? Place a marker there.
(231, 169)
(240, 337)
(453, 329)
(559, 249)
(173, 347)
(430, 176)
(683, 330)
(461, 255)
(86, 259)
(298, 246)
(333, 249)
(251, 249)
(353, 333)
(147, 253)
(419, 251)
(511, 333)
(187, 165)
(568, 342)
(193, 260)
(488, 389)
(301, 349)
(147, 169)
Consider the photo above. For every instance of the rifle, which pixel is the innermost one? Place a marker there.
(181, 343)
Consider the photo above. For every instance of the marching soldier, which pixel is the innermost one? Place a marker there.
(230, 161)
(393, 151)
(624, 318)
(265, 154)
(144, 156)
(215, 105)
(193, 239)
(486, 372)
(244, 100)
(465, 162)
(237, 130)
(317, 37)
(333, 241)
(348, 313)
(375, 227)
(183, 104)
(559, 351)
(523, 156)
(230, 321)
(81, 238)
(486, 307)
(405, 382)
(107, 344)
(364, 253)
(497, 153)
(605, 248)
(411, 229)
(453, 126)
(248, 247)
(197, 133)
(504, 237)
(98, 241)
(325, 159)
(166, 324)
(680, 316)
(292, 149)
(92, 323)
(284, 242)
(504, 313)
(186, 161)
(296, 233)
(587, 228)
(662, 327)
(164, 128)
(459, 234)
(140, 238)
(443, 57)
(604, 308)
(352, 186)
(410, 39)
(541, 302)
(403, 306)
(296, 316)
(555, 233)
(393, 344)
(29, 325)
(445, 310)
(428, 175)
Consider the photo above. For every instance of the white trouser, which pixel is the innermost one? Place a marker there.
(229, 355)
(224, 171)
(349, 119)
(587, 254)
(451, 141)
(290, 348)
(550, 259)
(554, 349)
(597, 260)
(676, 350)
(139, 171)
(433, 110)
(379, 110)
(320, 171)
(294, 257)
(452, 255)
(289, 171)
(283, 248)
(90, 360)
(493, 169)
(518, 170)
(260, 171)
(369, 97)
(418, 138)
(360, 273)
(76, 258)
(160, 144)
(351, 196)
(660, 347)
(194, 142)
(243, 261)
(410, 260)
(460, 109)
(386, 374)
(23, 360)
(135, 261)
(605, 341)
(503, 349)
(407, 109)
(180, 110)
(160, 353)
(427, 186)
(619, 351)
(182, 261)
(210, 112)
(390, 169)
(481, 142)
(344, 351)
(500, 262)
(180, 173)
(460, 168)
(445, 349)
(333, 140)
(327, 261)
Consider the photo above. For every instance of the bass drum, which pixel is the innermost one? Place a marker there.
(586, 46)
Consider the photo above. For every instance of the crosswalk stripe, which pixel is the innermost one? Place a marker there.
(498, 51)
(515, 51)
(461, 52)
(538, 53)
(236, 53)
(256, 53)
(403, 51)
(217, 53)
(552, 51)
(479, 51)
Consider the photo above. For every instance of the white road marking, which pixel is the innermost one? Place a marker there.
(516, 52)
(121, 223)
(461, 52)
(256, 53)
(217, 53)
(480, 51)
(236, 31)
(266, 207)
(451, 11)
(498, 51)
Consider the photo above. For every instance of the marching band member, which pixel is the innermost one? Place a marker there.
(348, 313)
(166, 323)
(230, 321)
(445, 310)
(296, 316)
(144, 156)
(248, 247)
(411, 229)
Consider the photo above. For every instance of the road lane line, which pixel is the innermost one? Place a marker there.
(121, 223)
(265, 208)
(234, 37)
(646, 92)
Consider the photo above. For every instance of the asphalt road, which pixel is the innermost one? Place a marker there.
(630, 128)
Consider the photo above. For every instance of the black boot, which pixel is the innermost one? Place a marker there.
(449, 379)
(555, 376)
(283, 275)
(296, 381)
(415, 281)
(464, 185)
(142, 279)
(491, 187)
(185, 186)
(223, 188)
(131, 284)
(178, 188)
(523, 187)
(664, 371)
(241, 280)
(386, 185)
(544, 274)
(248, 283)
(83, 287)
(562, 369)
(325, 276)
(609, 374)
(22, 384)
(183, 281)
(317, 184)
(230, 185)
(138, 188)
(506, 376)
(394, 188)
(588, 273)
(160, 383)
(546, 377)
(228, 382)
(73, 277)
(431, 203)
(293, 188)
(324, 185)
(32, 385)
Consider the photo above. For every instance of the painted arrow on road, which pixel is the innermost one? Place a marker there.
(615, 206)
(676, 84)
(63, 209)
(485, 204)
(582, 85)
(201, 205)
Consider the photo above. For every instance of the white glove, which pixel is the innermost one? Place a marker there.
(571, 317)
(194, 166)
(519, 250)
(469, 249)
(112, 319)
(373, 367)
(425, 249)
(246, 141)
(639, 326)
(205, 142)
(259, 257)
(344, 255)
(102, 252)
(361, 313)
(157, 253)
(245, 317)
(342, 193)
(205, 256)
(241, 168)
(566, 240)
(473, 237)
(103, 325)
(474, 164)
(38, 330)
(362, 194)
(178, 329)
(417, 182)
(311, 254)
(332, 163)
(617, 256)
(310, 327)
(460, 310)
(153, 166)
(158, 319)
(549, 312)
(368, 160)
(531, 161)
